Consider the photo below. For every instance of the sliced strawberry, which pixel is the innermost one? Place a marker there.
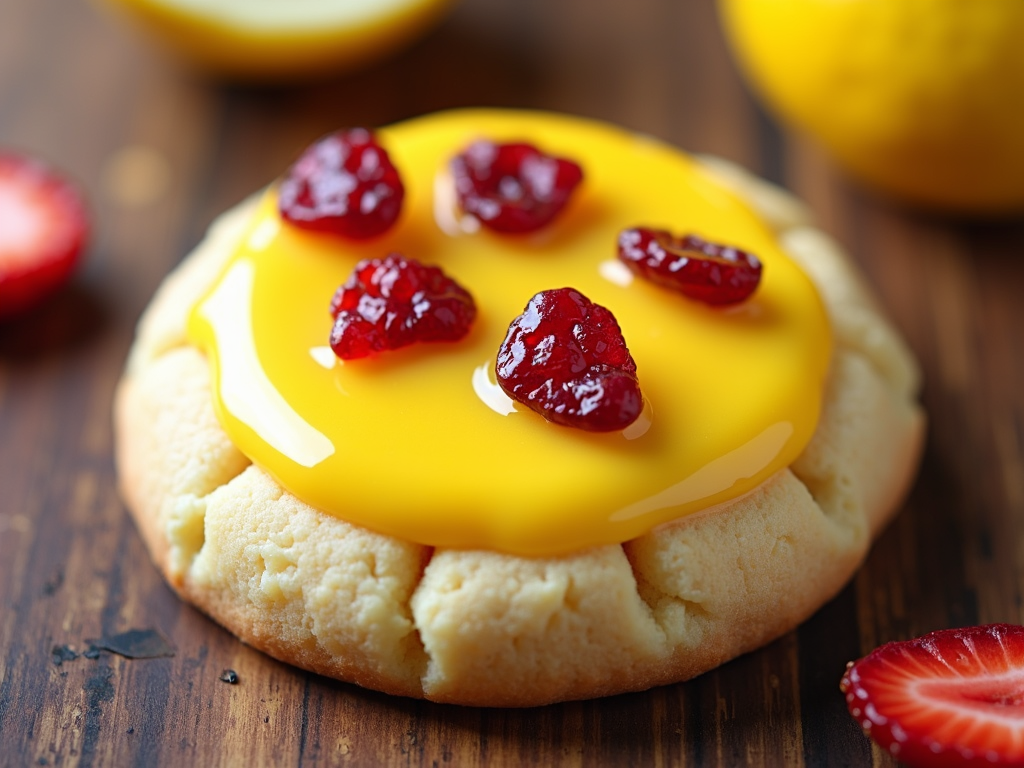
(951, 698)
(43, 226)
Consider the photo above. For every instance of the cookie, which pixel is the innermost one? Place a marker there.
(549, 610)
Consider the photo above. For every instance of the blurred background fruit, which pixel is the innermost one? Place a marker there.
(268, 40)
(44, 225)
(921, 99)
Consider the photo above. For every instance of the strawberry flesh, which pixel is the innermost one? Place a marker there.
(950, 698)
(43, 228)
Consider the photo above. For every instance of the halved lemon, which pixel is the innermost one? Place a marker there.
(283, 39)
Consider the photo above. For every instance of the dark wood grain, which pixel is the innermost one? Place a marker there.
(82, 89)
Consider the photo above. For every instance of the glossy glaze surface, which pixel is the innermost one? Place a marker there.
(420, 443)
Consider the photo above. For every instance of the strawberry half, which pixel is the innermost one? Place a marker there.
(43, 227)
(951, 698)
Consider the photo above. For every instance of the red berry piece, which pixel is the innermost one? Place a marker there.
(393, 302)
(708, 272)
(513, 188)
(565, 358)
(43, 227)
(343, 184)
(951, 698)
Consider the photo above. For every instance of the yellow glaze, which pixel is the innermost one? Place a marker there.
(420, 443)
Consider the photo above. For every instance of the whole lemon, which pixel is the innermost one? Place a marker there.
(283, 39)
(923, 99)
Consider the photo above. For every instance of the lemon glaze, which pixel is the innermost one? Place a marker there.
(421, 444)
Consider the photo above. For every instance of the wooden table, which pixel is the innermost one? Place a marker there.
(162, 151)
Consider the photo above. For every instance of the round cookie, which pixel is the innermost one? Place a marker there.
(484, 628)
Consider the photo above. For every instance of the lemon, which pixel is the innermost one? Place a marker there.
(923, 99)
(284, 39)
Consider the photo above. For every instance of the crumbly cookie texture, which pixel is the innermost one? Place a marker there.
(483, 628)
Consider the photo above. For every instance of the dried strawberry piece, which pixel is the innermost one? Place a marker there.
(513, 188)
(950, 698)
(709, 272)
(393, 302)
(44, 225)
(343, 184)
(565, 358)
